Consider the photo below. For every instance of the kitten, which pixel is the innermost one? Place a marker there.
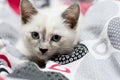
(47, 34)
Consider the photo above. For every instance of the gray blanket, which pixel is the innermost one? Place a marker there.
(101, 34)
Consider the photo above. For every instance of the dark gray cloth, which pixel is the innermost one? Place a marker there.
(30, 71)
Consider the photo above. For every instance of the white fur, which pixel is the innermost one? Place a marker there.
(53, 23)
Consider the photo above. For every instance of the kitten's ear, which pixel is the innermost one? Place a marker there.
(27, 10)
(71, 15)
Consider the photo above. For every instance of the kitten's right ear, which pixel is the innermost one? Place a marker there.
(71, 15)
(27, 10)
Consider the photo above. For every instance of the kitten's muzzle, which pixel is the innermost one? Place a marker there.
(43, 50)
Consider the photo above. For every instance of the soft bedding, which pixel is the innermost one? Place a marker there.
(99, 45)
(15, 65)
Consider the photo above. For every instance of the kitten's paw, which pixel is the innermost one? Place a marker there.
(39, 62)
(42, 65)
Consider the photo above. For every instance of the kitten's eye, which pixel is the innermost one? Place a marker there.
(56, 38)
(35, 35)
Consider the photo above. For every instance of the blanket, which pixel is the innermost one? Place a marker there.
(102, 34)
(13, 64)
(99, 46)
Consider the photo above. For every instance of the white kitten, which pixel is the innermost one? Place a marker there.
(47, 34)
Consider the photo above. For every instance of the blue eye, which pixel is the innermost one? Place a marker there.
(35, 35)
(56, 38)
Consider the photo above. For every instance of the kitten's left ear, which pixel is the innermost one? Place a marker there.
(71, 15)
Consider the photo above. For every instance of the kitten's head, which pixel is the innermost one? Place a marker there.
(48, 33)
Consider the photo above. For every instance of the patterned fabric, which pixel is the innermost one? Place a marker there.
(114, 32)
(55, 76)
(4, 70)
(79, 51)
(14, 4)
(103, 27)
(53, 70)
(31, 72)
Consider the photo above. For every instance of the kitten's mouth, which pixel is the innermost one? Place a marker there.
(42, 56)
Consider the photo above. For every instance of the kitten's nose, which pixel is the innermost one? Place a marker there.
(43, 50)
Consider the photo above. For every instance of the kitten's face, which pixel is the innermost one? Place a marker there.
(48, 34)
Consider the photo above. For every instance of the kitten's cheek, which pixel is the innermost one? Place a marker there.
(34, 42)
(41, 56)
(37, 50)
(55, 44)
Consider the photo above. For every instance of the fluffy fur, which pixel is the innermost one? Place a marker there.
(60, 22)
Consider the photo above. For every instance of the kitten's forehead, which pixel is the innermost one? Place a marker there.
(49, 23)
(52, 22)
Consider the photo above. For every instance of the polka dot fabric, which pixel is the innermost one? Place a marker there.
(114, 32)
(79, 51)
